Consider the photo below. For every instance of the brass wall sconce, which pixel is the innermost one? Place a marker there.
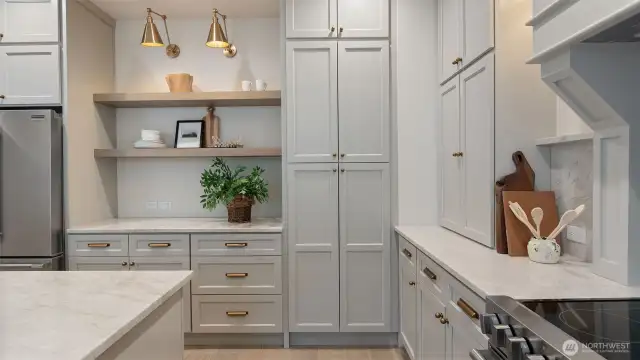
(151, 37)
(218, 38)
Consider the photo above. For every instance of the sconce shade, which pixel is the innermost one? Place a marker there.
(217, 37)
(151, 36)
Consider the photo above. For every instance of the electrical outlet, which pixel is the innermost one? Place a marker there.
(577, 234)
(151, 205)
(164, 205)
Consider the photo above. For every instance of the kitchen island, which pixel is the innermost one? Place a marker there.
(91, 315)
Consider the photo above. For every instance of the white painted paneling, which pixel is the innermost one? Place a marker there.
(477, 29)
(140, 69)
(29, 21)
(363, 106)
(451, 215)
(568, 122)
(363, 18)
(450, 36)
(312, 18)
(30, 75)
(416, 82)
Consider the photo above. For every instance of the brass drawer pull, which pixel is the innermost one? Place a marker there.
(407, 253)
(236, 245)
(237, 313)
(98, 245)
(467, 309)
(236, 275)
(158, 245)
(430, 274)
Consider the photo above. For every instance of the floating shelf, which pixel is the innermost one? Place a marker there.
(187, 153)
(194, 99)
(563, 139)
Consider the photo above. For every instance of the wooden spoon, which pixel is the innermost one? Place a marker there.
(537, 214)
(565, 220)
(522, 216)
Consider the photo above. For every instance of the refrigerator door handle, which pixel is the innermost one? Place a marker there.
(21, 266)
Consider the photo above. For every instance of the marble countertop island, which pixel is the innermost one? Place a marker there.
(488, 273)
(177, 225)
(55, 315)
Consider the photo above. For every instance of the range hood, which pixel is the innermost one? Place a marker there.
(597, 73)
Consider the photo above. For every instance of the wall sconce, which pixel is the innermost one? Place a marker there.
(218, 38)
(151, 37)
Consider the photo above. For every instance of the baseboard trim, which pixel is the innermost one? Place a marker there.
(234, 340)
(370, 340)
(374, 340)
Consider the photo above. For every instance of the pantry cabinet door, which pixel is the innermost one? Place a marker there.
(365, 248)
(312, 18)
(99, 263)
(312, 101)
(29, 21)
(477, 138)
(450, 164)
(363, 105)
(363, 18)
(478, 29)
(449, 37)
(314, 293)
(30, 75)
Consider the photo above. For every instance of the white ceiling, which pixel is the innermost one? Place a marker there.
(135, 9)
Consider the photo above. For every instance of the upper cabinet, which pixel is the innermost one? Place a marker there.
(30, 75)
(337, 19)
(338, 101)
(466, 32)
(29, 21)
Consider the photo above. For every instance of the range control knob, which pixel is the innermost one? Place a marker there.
(487, 321)
(499, 335)
(534, 357)
(517, 348)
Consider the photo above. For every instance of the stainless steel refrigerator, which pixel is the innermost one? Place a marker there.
(31, 212)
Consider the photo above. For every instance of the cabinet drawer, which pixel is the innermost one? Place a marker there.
(431, 275)
(98, 245)
(236, 244)
(407, 251)
(159, 245)
(237, 313)
(466, 304)
(237, 275)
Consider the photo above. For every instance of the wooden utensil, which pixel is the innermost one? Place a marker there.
(566, 219)
(537, 214)
(523, 179)
(522, 216)
(518, 235)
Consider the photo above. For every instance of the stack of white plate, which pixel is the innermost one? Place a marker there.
(150, 139)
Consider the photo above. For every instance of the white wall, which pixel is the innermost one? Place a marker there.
(416, 43)
(90, 185)
(140, 69)
(568, 122)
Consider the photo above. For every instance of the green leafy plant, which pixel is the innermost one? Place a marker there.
(221, 184)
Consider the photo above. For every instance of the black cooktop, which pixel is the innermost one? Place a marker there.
(610, 328)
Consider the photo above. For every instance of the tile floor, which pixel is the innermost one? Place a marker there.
(292, 354)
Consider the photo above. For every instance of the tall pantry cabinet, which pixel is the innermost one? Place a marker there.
(338, 151)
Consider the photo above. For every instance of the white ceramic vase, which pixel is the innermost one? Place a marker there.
(545, 251)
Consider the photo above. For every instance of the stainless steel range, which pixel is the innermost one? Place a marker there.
(556, 330)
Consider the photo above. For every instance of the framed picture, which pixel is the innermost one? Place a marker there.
(189, 133)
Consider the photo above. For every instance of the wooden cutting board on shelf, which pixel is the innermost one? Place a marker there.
(523, 179)
(518, 235)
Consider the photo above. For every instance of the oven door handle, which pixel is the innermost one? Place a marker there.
(482, 355)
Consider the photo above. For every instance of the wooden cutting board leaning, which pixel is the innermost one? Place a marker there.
(517, 234)
(523, 179)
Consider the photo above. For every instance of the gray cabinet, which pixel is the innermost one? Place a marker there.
(338, 101)
(313, 233)
(432, 342)
(364, 247)
(107, 263)
(30, 74)
(29, 21)
(408, 299)
(237, 275)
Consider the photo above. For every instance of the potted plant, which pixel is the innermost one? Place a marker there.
(238, 192)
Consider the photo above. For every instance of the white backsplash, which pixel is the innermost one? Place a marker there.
(572, 181)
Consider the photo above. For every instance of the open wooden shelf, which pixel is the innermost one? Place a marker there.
(194, 99)
(186, 153)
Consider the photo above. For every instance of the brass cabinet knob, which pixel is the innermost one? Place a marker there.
(1, 35)
(1, 96)
(412, 283)
(133, 263)
(460, 154)
(342, 170)
(124, 263)
(343, 155)
(456, 61)
(334, 154)
(333, 28)
(341, 29)
(444, 321)
(439, 315)
(335, 170)
(455, 154)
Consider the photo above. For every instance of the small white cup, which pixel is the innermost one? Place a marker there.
(261, 85)
(246, 85)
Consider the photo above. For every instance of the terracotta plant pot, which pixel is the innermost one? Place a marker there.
(239, 209)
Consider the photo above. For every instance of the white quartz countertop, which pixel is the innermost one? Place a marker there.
(177, 225)
(488, 273)
(76, 315)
